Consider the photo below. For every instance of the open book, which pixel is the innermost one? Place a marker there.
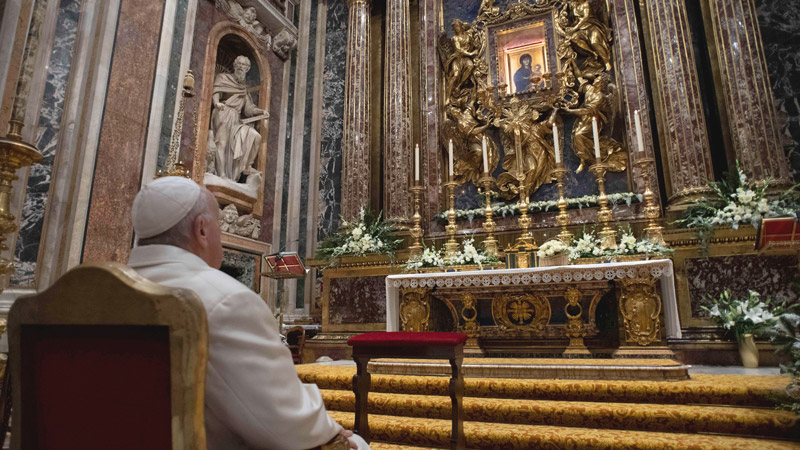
(285, 265)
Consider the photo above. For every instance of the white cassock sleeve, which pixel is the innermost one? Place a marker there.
(252, 385)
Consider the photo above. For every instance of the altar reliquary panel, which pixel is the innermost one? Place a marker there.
(514, 75)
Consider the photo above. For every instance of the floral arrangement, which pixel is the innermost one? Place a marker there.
(504, 209)
(589, 246)
(468, 255)
(430, 257)
(553, 247)
(737, 201)
(367, 236)
(748, 315)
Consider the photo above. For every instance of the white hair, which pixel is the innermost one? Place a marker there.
(241, 59)
(181, 234)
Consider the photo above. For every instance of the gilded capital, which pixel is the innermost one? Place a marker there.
(352, 3)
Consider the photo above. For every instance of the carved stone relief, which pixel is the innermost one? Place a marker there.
(246, 17)
(245, 225)
(284, 43)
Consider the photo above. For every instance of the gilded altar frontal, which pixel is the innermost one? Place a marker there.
(601, 191)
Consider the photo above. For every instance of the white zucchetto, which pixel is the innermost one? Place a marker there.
(161, 204)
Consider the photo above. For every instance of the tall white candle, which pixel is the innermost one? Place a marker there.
(485, 157)
(450, 152)
(596, 138)
(416, 163)
(639, 138)
(556, 144)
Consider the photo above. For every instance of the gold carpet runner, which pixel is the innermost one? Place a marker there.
(705, 412)
(526, 368)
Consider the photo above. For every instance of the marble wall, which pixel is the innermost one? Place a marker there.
(357, 300)
(330, 172)
(47, 138)
(120, 152)
(779, 22)
(174, 84)
(772, 276)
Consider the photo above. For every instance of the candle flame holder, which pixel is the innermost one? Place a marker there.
(14, 154)
(490, 243)
(416, 230)
(652, 211)
(608, 237)
(451, 246)
(562, 219)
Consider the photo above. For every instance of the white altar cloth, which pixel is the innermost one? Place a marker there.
(659, 268)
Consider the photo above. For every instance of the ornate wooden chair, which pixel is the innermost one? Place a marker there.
(295, 339)
(106, 359)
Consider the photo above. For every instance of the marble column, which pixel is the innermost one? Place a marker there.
(355, 147)
(398, 156)
(632, 83)
(680, 108)
(748, 98)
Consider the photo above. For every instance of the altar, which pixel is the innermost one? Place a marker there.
(538, 310)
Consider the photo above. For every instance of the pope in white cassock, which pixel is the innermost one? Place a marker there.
(253, 397)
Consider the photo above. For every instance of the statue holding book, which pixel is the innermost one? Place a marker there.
(233, 119)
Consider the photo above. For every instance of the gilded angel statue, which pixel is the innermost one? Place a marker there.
(599, 98)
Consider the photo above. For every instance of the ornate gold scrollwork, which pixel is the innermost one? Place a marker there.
(415, 309)
(527, 312)
(640, 306)
(469, 312)
(575, 329)
(580, 85)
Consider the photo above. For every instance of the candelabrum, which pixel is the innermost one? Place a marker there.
(451, 246)
(525, 238)
(416, 230)
(14, 154)
(490, 243)
(608, 237)
(562, 219)
(652, 211)
(175, 167)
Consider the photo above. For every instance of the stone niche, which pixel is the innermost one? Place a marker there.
(232, 130)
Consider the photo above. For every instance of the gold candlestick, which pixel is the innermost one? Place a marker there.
(416, 230)
(175, 167)
(562, 219)
(451, 246)
(608, 236)
(524, 221)
(490, 243)
(652, 211)
(14, 154)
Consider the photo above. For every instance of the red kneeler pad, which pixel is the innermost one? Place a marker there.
(407, 339)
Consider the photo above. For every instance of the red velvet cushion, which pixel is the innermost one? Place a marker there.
(407, 339)
(96, 387)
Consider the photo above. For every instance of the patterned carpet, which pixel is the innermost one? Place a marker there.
(706, 412)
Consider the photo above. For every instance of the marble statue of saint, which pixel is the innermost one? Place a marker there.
(237, 142)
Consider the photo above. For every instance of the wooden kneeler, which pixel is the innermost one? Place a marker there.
(413, 345)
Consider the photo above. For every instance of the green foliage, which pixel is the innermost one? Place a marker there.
(748, 315)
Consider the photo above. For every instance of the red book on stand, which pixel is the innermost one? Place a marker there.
(285, 265)
(778, 232)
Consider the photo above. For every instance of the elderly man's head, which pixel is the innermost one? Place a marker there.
(177, 211)
(241, 65)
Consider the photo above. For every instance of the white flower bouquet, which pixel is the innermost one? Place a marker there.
(553, 253)
(737, 201)
(468, 255)
(367, 236)
(748, 315)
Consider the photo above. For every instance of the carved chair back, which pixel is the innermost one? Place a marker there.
(295, 339)
(107, 359)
